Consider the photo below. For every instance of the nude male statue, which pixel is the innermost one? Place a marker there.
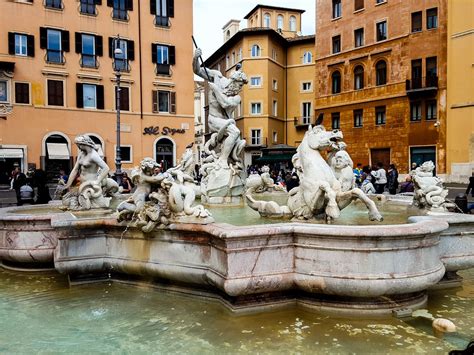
(223, 100)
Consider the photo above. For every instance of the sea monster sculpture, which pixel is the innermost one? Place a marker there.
(429, 190)
(88, 185)
(320, 194)
(160, 199)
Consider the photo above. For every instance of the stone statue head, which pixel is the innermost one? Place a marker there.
(236, 82)
(147, 165)
(342, 159)
(265, 169)
(427, 166)
(85, 140)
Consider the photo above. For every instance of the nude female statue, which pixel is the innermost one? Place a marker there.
(92, 174)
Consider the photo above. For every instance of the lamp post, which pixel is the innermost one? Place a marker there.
(117, 65)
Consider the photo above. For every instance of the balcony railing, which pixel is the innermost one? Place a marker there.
(427, 82)
(303, 122)
(163, 69)
(54, 56)
(89, 61)
(256, 142)
(162, 21)
(54, 4)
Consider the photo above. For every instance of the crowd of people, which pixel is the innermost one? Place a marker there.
(377, 180)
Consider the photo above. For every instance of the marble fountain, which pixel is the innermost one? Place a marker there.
(324, 246)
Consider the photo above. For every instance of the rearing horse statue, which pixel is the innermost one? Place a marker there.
(320, 193)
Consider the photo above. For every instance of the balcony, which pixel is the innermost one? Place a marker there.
(303, 122)
(256, 142)
(422, 87)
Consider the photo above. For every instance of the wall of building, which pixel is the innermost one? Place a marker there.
(460, 100)
(29, 124)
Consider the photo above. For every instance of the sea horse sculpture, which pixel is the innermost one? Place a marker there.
(321, 194)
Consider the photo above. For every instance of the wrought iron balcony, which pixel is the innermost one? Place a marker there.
(256, 142)
(303, 122)
(423, 86)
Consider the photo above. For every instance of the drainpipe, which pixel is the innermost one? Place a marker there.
(140, 60)
(286, 97)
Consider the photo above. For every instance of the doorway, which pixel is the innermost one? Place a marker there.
(380, 155)
(164, 153)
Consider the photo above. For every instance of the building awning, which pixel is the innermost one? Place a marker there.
(99, 150)
(58, 151)
(11, 153)
(7, 66)
(274, 158)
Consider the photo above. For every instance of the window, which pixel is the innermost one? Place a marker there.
(255, 51)
(55, 93)
(255, 81)
(358, 77)
(163, 56)
(90, 96)
(358, 5)
(336, 8)
(233, 58)
(22, 93)
(381, 31)
(120, 8)
(306, 86)
(432, 18)
(227, 62)
(336, 120)
(163, 10)
(266, 20)
(53, 4)
(416, 21)
(336, 82)
(275, 108)
(89, 46)
(431, 108)
(307, 58)
(292, 24)
(87, 7)
(359, 37)
(280, 22)
(358, 118)
(3, 91)
(55, 42)
(380, 1)
(21, 44)
(240, 54)
(124, 98)
(431, 67)
(274, 54)
(336, 44)
(306, 114)
(127, 53)
(381, 73)
(126, 153)
(164, 101)
(275, 137)
(415, 111)
(380, 115)
(256, 136)
(275, 84)
(256, 108)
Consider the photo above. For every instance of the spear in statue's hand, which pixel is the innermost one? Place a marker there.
(202, 62)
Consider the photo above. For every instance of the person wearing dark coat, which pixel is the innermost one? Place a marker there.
(39, 181)
(392, 179)
(470, 187)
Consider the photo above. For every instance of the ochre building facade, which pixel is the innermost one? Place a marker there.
(380, 77)
(57, 80)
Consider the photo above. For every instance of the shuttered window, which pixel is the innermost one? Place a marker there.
(164, 101)
(55, 93)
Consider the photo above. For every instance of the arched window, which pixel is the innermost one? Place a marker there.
(227, 35)
(266, 20)
(358, 77)
(292, 23)
(164, 153)
(57, 155)
(336, 82)
(255, 51)
(280, 22)
(381, 73)
(307, 58)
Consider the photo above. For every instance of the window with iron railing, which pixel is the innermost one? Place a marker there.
(53, 4)
(164, 56)
(56, 42)
(120, 9)
(163, 10)
(87, 7)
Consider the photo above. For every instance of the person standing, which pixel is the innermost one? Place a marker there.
(392, 179)
(40, 182)
(18, 181)
(380, 176)
(357, 174)
(470, 187)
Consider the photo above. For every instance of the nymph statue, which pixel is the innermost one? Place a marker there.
(88, 184)
(222, 168)
(429, 190)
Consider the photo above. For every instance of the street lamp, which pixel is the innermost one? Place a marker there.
(118, 64)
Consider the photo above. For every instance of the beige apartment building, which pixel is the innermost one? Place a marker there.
(57, 80)
(460, 104)
(278, 102)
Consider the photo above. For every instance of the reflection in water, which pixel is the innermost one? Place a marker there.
(40, 313)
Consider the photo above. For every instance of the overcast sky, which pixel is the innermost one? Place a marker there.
(211, 15)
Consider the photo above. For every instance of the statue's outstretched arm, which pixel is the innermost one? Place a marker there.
(205, 73)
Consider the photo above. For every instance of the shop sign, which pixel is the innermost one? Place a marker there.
(155, 130)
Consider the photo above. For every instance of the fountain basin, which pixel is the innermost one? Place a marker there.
(367, 268)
